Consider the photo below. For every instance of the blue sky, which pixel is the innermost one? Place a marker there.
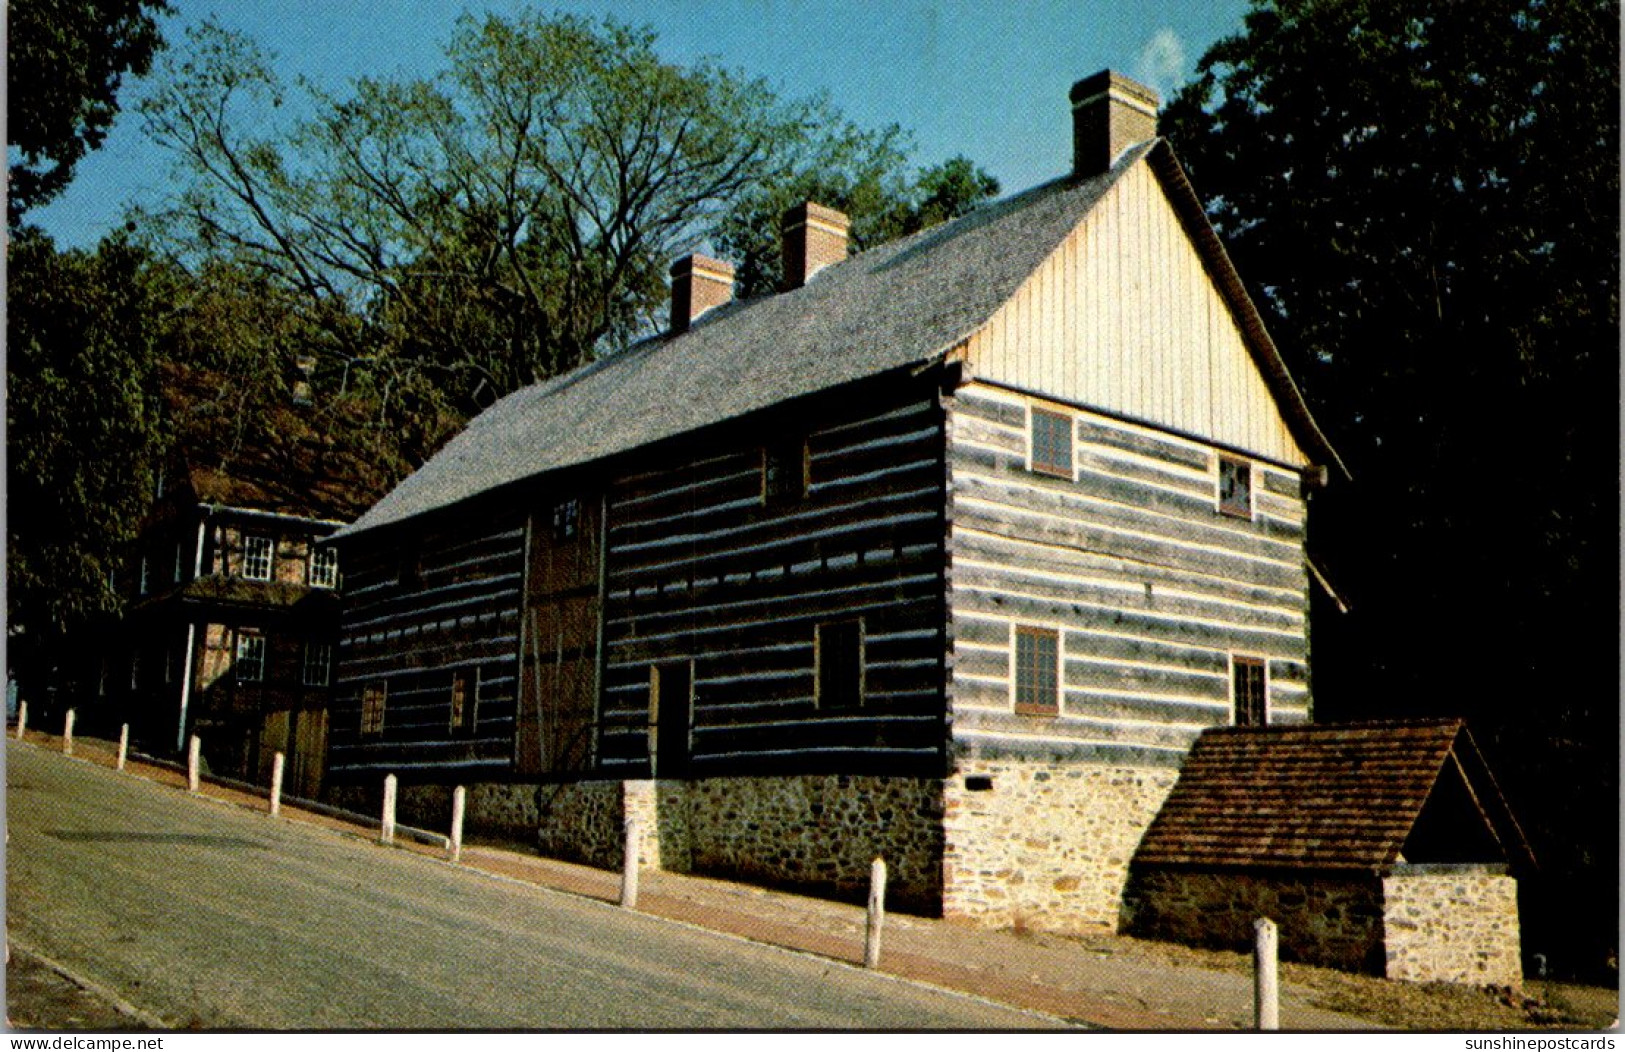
(984, 79)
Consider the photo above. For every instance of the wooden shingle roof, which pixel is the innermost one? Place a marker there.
(1317, 796)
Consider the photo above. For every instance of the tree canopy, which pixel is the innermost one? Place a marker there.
(65, 66)
(1425, 198)
(455, 237)
(81, 428)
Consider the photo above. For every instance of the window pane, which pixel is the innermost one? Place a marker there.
(324, 568)
(1037, 680)
(1236, 487)
(257, 558)
(1247, 679)
(1052, 443)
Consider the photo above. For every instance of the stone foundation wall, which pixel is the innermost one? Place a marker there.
(819, 833)
(1047, 845)
(1325, 919)
(1455, 924)
(813, 832)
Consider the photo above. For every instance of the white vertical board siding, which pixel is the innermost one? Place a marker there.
(1149, 587)
(1124, 317)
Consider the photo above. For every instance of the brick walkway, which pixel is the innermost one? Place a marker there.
(1104, 981)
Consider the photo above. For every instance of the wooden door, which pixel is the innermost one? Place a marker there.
(671, 718)
(559, 664)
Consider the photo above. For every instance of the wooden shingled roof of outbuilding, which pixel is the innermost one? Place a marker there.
(1335, 796)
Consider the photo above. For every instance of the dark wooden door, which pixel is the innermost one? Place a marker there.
(671, 716)
(560, 652)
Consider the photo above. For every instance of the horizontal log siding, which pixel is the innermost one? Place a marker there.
(700, 570)
(1150, 588)
(460, 614)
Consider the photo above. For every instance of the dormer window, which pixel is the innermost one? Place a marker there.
(1235, 487)
(1050, 435)
(257, 558)
(324, 568)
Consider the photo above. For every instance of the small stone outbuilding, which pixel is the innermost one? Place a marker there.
(1383, 848)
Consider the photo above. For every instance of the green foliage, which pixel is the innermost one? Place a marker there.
(65, 65)
(861, 174)
(81, 431)
(457, 237)
(1426, 199)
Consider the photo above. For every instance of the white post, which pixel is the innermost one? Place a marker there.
(877, 913)
(459, 798)
(1266, 987)
(193, 750)
(629, 864)
(22, 718)
(123, 746)
(67, 733)
(276, 784)
(386, 833)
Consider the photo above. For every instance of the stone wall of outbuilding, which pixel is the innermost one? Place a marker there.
(1455, 924)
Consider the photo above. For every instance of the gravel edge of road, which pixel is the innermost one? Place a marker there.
(140, 1017)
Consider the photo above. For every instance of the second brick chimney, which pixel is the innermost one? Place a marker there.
(814, 237)
(1110, 113)
(698, 283)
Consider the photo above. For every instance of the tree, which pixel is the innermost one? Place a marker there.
(65, 66)
(1425, 198)
(862, 175)
(82, 436)
(464, 235)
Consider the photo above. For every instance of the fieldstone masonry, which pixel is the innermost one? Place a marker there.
(1043, 845)
(1324, 918)
(1455, 924)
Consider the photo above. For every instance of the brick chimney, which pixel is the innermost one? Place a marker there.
(814, 237)
(698, 283)
(1110, 113)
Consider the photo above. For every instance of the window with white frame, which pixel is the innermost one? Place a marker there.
(1249, 687)
(318, 660)
(1235, 487)
(1038, 671)
(250, 664)
(1050, 440)
(324, 567)
(257, 558)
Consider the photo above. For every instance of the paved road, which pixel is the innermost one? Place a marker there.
(210, 916)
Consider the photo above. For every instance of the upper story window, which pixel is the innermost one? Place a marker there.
(324, 568)
(839, 682)
(1050, 436)
(1038, 671)
(1249, 690)
(250, 664)
(566, 520)
(257, 558)
(1235, 487)
(318, 660)
(784, 473)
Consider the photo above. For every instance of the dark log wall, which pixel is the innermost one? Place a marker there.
(1149, 587)
(417, 613)
(703, 568)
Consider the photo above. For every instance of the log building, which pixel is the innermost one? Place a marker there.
(946, 552)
